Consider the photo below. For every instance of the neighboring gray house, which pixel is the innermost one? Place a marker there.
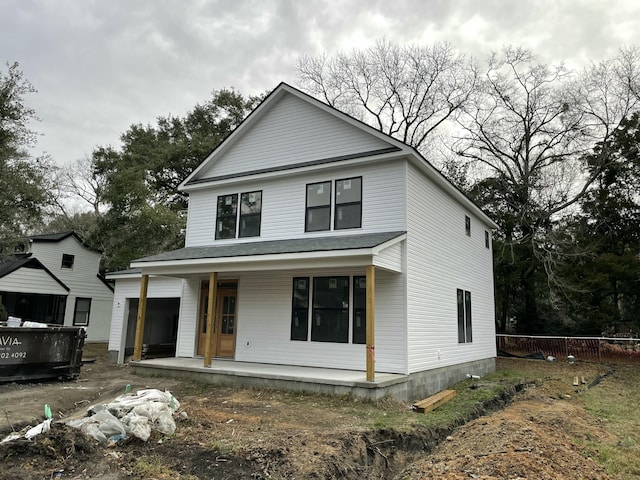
(56, 280)
(326, 244)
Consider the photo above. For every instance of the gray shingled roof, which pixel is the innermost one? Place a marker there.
(9, 265)
(54, 237)
(298, 245)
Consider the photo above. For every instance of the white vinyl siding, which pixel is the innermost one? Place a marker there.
(264, 324)
(82, 281)
(291, 132)
(283, 204)
(440, 259)
(31, 280)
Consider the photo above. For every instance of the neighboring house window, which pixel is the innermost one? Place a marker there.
(330, 315)
(250, 214)
(226, 217)
(487, 239)
(467, 226)
(67, 261)
(348, 203)
(318, 214)
(359, 309)
(300, 309)
(464, 316)
(81, 312)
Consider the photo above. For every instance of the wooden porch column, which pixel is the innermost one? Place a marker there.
(370, 324)
(211, 308)
(142, 311)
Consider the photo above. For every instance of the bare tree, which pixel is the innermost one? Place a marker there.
(79, 187)
(529, 132)
(404, 91)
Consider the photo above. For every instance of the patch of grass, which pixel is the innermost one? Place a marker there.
(152, 467)
(617, 401)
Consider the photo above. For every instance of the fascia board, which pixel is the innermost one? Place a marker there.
(257, 262)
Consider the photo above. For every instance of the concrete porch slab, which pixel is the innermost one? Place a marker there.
(282, 377)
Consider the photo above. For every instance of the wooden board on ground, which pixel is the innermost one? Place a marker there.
(434, 401)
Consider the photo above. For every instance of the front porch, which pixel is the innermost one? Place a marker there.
(282, 377)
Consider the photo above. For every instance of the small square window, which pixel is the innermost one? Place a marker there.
(67, 261)
(467, 226)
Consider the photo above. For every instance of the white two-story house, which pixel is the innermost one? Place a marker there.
(322, 243)
(90, 298)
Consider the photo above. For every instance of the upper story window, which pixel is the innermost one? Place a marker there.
(67, 261)
(250, 214)
(318, 215)
(347, 205)
(467, 226)
(487, 239)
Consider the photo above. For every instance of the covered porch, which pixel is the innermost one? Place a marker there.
(258, 276)
(284, 377)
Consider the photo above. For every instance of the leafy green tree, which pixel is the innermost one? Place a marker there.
(601, 287)
(23, 180)
(145, 212)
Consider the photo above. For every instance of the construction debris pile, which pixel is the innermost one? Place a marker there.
(129, 415)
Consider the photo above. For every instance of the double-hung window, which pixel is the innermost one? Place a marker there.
(464, 316)
(250, 214)
(318, 215)
(346, 206)
(348, 203)
(330, 315)
(81, 312)
(232, 222)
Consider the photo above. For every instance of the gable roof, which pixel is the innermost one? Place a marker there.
(59, 236)
(11, 264)
(54, 237)
(394, 146)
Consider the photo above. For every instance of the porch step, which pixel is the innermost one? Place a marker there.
(434, 401)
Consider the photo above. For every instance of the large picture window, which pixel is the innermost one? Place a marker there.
(300, 309)
(330, 316)
(318, 214)
(81, 312)
(320, 305)
(464, 316)
(250, 214)
(348, 203)
(226, 216)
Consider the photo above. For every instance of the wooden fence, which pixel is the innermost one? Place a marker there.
(582, 348)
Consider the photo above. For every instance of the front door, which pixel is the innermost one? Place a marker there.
(223, 338)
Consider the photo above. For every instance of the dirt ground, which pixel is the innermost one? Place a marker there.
(261, 434)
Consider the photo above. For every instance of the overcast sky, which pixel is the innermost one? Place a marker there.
(100, 66)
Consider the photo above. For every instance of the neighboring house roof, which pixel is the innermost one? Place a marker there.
(394, 147)
(54, 237)
(59, 236)
(274, 247)
(11, 264)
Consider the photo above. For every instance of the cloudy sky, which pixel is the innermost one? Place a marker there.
(100, 66)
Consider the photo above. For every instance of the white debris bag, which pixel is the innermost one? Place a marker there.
(132, 414)
(43, 427)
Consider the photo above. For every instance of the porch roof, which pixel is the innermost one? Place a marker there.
(254, 254)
